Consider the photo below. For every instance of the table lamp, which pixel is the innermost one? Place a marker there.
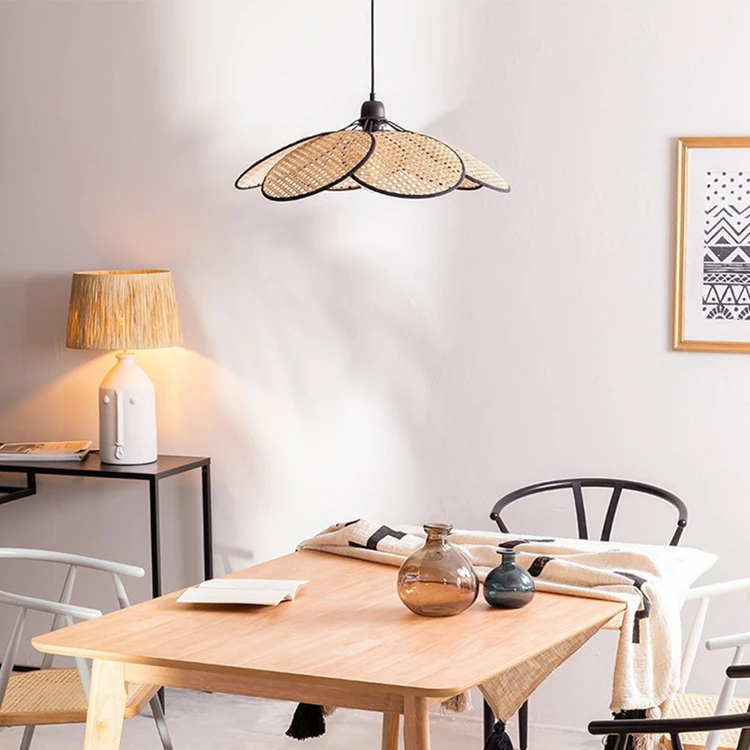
(122, 311)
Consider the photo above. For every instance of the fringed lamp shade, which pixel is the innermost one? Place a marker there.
(114, 310)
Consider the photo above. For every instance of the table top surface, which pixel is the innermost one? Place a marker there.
(92, 466)
(346, 627)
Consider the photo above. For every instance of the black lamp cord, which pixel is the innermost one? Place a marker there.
(372, 50)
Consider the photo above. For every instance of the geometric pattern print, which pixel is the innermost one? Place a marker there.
(726, 247)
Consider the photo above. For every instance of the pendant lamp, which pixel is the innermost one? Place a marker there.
(373, 153)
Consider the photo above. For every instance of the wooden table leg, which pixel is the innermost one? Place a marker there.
(391, 724)
(107, 698)
(416, 723)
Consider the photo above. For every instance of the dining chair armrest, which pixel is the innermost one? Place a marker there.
(716, 589)
(53, 608)
(671, 726)
(105, 566)
(728, 641)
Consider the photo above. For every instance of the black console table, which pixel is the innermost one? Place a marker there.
(91, 466)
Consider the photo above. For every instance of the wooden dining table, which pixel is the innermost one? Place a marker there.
(346, 640)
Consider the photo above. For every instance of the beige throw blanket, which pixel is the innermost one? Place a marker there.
(650, 580)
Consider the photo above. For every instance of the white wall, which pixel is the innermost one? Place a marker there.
(353, 355)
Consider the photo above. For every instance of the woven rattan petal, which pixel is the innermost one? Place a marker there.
(347, 184)
(254, 175)
(468, 184)
(410, 165)
(479, 172)
(317, 165)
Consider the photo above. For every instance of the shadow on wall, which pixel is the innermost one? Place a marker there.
(566, 282)
(34, 314)
(550, 280)
(300, 350)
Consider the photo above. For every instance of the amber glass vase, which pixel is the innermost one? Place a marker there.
(437, 580)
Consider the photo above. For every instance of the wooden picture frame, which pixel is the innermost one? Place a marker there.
(712, 256)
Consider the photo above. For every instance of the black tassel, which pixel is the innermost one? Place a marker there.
(613, 739)
(499, 739)
(307, 722)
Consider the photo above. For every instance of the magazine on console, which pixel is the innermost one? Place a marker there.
(67, 450)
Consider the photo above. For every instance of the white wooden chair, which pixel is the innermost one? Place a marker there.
(687, 704)
(60, 696)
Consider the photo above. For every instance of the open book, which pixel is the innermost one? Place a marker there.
(242, 591)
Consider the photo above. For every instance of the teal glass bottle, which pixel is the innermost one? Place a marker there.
(508, 586)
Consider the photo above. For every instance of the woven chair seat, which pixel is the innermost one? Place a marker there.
(55, 696)
(687, 705)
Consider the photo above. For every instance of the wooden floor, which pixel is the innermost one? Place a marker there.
(219, 722)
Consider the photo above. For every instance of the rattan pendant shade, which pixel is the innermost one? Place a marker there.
(372, 153)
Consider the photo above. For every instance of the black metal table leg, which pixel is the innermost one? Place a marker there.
(153, 487)
(9, 494)
(523, 726)
(208, 556)
(153, 490)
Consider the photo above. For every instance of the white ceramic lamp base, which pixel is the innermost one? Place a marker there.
(127, 414)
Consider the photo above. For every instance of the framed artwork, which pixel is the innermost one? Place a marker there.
(712, 259)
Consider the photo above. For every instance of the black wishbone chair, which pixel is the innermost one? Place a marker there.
(577, 487)
(623, 729)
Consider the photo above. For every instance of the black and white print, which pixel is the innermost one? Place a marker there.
(726, 246)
